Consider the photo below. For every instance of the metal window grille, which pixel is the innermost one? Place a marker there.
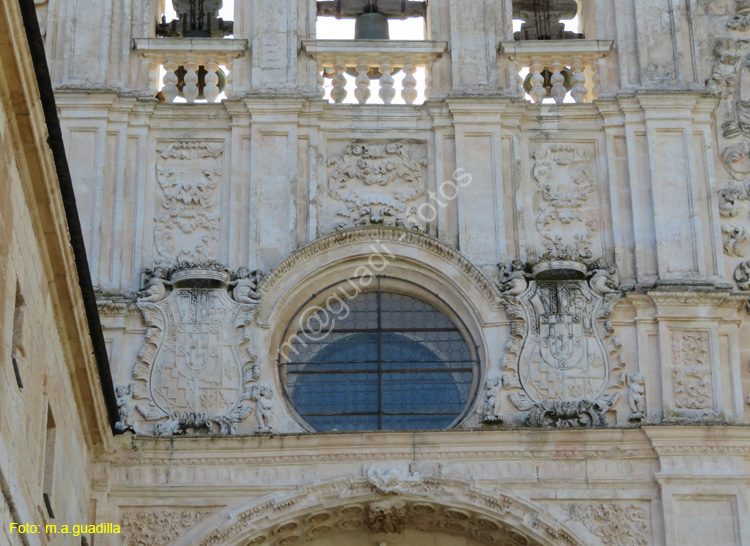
(377, 361)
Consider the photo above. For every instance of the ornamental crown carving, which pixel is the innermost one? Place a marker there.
(562, 361)
(377, 183)
(195, 370)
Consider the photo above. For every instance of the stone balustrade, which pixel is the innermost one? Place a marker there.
(185, 60)
(369, 60)
(557, 68)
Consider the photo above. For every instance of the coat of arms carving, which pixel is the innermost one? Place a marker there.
(195, 370)
(563, 358)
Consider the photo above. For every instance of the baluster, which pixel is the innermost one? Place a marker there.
(190, 91)
(538, 92)
(153, 78)
(211, 90)
(521, 92)
(428, 81)
(578, 80)
(362, 92)
(409, 91)
(597, 80)
(321, 82)
(170, 81)
(338, 93)
(228, 81)
(387, 91)
(558, 90)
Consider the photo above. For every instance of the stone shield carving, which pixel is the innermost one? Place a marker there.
(194, 369)
(563, 354)
(187, 226)
(377, 183)
(563, 358)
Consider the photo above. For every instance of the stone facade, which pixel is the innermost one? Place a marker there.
(592, 247)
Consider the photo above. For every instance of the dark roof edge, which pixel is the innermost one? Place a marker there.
(55, 141)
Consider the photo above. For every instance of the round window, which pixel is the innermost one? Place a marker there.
(380, 360)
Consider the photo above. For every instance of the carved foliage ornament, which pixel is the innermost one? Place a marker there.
(691, 370)
(377, 183)
(730, 78)
(615, 524)
(187, 226)
(387, 516)
(155, 527)
(195, 369)
(563, 359)
(395, 480)
(564, 177)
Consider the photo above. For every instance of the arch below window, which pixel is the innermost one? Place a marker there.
(389, 356)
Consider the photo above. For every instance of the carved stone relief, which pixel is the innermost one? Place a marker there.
(394, 480)
(562, 361)
(730, 79)
(195, 371)
(349, 504)
(114, 303)
(564, 174)
(692, 381)
(378, 184)
(616, 524)
(157, 527)
(186, 227)
(387, 516)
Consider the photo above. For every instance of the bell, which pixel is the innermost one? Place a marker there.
(371, 26)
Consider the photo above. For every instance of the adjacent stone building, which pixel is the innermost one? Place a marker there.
(485, 287)
(57, 404)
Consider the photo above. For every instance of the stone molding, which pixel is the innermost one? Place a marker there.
(365, 235)
(516, 454)
(607, 444)
(264, 516)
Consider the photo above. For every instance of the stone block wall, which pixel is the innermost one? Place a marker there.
(48, 410)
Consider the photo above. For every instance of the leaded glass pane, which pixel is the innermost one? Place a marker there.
(380, 361)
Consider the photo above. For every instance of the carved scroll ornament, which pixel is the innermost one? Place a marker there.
(377, 184)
